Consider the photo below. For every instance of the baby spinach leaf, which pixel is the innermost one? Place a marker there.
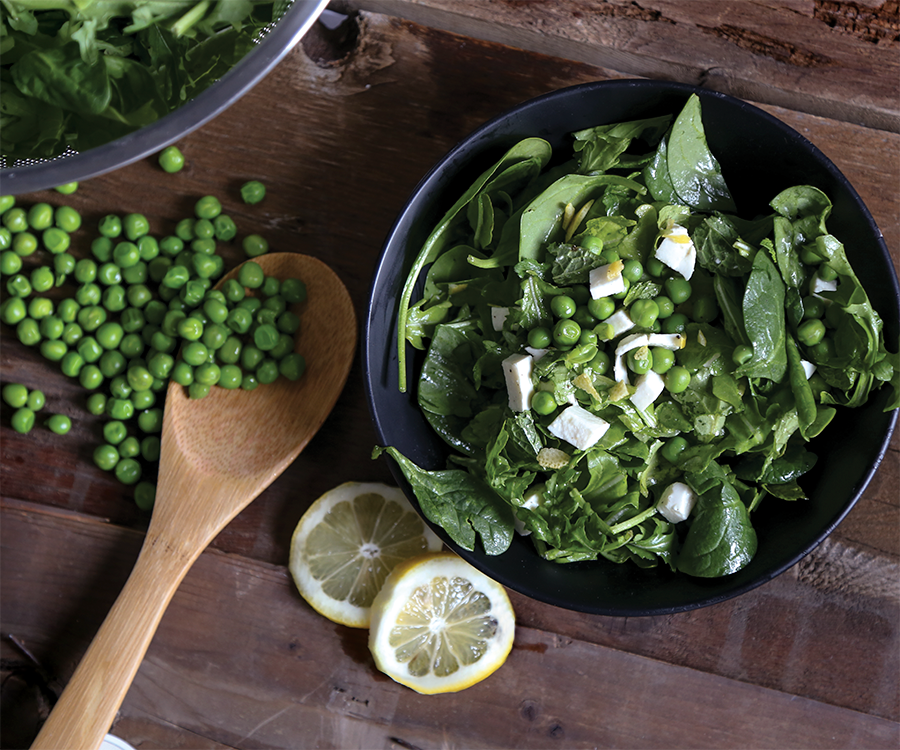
(721, 539)
(460, 503)
(694, 172)
(600, 147)
(763, 307)
(720, 248)
(60, 77)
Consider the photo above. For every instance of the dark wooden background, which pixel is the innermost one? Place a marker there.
(341, 131)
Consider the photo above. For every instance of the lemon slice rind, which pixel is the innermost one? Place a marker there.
(408, 610)
(349, 552)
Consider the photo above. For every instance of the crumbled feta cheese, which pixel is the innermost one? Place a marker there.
(578, 427)
(607, 280)
(536, 354)
(677, 502)
(677, 251)
(817, 285)
(498, 317)
(532, 499)
(808, 367)
(517, 371)
(673, 341)
(620, 321)
(647, 390)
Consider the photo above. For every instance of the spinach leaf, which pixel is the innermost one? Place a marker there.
(763, 308)
(60, 77)
(720, 248)
(460, 503)
(600, 147)
(694, 172)
(721, 539)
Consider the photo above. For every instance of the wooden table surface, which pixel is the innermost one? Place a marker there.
(341, 131)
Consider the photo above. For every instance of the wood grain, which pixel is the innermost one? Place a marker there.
(341, 131)
(826, 57)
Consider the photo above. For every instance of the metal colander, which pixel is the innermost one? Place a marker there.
(274, 42)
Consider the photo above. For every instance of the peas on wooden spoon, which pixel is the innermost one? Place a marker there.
(204, 481)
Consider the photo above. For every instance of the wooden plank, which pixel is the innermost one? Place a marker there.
(827, 57)
(214, 673)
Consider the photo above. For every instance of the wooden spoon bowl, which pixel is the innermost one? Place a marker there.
(217, 454)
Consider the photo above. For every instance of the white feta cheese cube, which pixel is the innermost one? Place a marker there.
(647, 390)
(536, 354)
(517, 371)
(578, 427)
(817, 285)
(607, 280)
(620, 321)
(677, 251)
(676, 502)
(808, 367)
(498, 317)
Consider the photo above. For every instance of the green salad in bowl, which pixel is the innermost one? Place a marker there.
(623, 366)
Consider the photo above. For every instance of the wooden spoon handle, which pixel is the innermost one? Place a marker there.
(87, 707)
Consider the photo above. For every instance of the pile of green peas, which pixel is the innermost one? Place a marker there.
(142, 311)
(580, 328)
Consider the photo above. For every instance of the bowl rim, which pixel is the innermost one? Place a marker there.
(177, 124)
(383, 268)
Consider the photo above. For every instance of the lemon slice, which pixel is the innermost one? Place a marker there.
(348, 541)
(439, 625)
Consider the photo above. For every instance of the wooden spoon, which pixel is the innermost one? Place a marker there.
(217, 454)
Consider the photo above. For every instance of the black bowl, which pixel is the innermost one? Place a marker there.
(759, 156)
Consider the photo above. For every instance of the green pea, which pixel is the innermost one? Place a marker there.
(610, 256)
(114, 432)
(143, 400)
(120, 408)
(5, 239)
(112, 363)
(96, 404)
(666, 307)
(644, 312)
(677, 379)
(6, 203)
(15, 394)
(204, 265)
(604, 331)
(813, 307)
(90, 377)
(655, 267)
(249, 382)
(71, 363)
(148, 247)
(205, 246)
(633, 270)
(254, 245)
(639, 360)
(251, 357)
(265, 317)
(171, 245)
(42, 279)
(110, 226)
(253, 192)
(150, 420)
(13, 311)
(15, 220)
(59, 424)
(109, 335)
(52, 327)
(56, 240)
(132, 345)
(155, 312)
(145, 492)
(705, 309)
(827, 273)
(109, 274)
(289, 323)
(267, 371)
(225, 228)
(292, 366)
(176, 277)
(624, 293)
(130, 447)
(40, 216)
(22, 420)
(195, 353)
(88, 294)
(601, 308)
(171, 159)
(126, 254)
(63, 266)
(85, 271)
(198, 390)
(208, 373)
(90, 318)
(600, 363)
(135, 226)
(183, 373)
(53, 349)
(40, 307)
(251, 275)
(10, 263)
(811, 332)
(675, 323)
(239, 320)
(36, 400)
(230, 377)
(139, 378)
(184, 230)
(562, 306)
(678, 290)
(160, 364)
(265, 337)
(106, 457)
(119, 387)
(190, 329)
(673, 449)
(67, 188)
(566, 333)
(233, 290)
(170, 323)
(132, 319)
(115, 298)
(230, 351)
(28, 332)
(128, 471)
(293, 291)
(192, 293)
(215, 336)
(283, 347)
(663, 360)
(24, 244)
(207, 207)
(67, 219)
(136, 274)
(19, 285)
(150, 446)
(543, 403)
